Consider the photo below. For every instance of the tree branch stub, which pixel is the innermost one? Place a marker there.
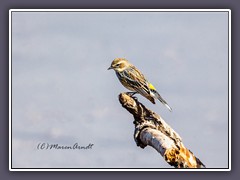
(152, 130)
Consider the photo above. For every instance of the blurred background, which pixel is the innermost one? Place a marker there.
(63, 94)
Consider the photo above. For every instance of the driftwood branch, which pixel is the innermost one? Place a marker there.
(152, 130)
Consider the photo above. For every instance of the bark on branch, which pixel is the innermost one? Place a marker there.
(152, 130)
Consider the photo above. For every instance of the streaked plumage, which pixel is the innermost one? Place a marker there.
(134, 80)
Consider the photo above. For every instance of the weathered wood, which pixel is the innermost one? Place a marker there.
(152, 130)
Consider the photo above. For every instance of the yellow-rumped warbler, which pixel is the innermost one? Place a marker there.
(134, 80)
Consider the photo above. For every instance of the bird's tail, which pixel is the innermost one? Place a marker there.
(162, 101)
(169, 108)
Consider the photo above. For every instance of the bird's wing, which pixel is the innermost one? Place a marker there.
(137, 79)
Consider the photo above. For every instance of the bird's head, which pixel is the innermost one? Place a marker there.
(119, 64)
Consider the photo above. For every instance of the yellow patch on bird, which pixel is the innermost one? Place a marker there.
(151, 86)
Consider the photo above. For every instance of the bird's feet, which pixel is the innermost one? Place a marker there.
(131, 94)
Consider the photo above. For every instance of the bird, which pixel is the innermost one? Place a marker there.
(132, 79)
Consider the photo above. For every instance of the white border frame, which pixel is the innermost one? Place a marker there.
(120, 10)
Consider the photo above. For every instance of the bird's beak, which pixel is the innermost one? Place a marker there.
(110, 68)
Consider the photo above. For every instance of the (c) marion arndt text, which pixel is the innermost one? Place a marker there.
(56, 146)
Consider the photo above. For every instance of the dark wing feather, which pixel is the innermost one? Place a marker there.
(135, 79)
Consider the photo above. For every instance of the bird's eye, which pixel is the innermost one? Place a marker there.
(117, 65)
